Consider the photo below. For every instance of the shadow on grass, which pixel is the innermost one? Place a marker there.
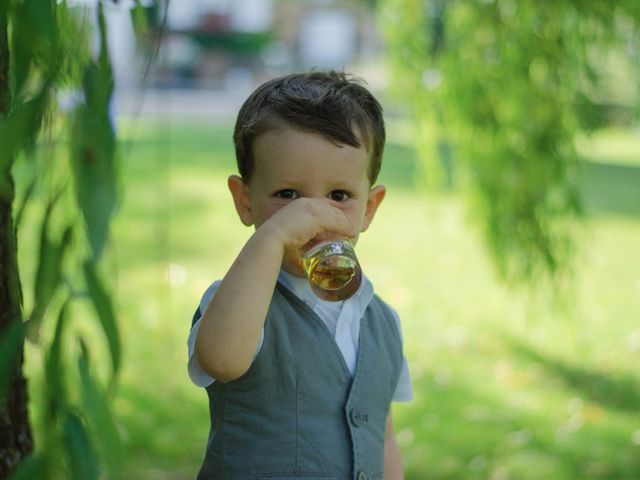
(608, 188)
(611, 390)
(476, 428)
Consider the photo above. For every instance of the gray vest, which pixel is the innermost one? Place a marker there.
(297, 413)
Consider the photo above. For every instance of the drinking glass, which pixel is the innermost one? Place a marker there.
(332, 269)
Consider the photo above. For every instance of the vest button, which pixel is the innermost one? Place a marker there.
(362, 476)
(356, 418)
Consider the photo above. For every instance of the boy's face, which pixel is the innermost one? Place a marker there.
(292, 164)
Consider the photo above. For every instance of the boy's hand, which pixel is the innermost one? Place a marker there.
(305, 219)
(231, 326)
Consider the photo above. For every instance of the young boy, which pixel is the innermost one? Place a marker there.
(300, 388)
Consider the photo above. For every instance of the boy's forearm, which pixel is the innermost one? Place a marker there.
(393, 464)
(392, 457)
(231, 326)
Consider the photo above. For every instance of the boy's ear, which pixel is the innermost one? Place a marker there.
(241, 199)
(376, 195)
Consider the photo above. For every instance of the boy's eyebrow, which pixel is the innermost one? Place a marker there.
(290, 183)
(345, 182)
(285, 181)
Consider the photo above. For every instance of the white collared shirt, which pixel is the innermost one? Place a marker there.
(341, 318)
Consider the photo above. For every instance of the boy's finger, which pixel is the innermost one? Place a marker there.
(344, 224)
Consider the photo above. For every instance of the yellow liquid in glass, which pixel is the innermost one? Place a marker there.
(334, 274)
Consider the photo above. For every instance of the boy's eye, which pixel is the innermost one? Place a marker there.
(339, 196)
(287, 194)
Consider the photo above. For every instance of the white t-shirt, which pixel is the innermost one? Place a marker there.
(342, 319)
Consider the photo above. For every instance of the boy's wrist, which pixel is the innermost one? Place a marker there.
(272, 236)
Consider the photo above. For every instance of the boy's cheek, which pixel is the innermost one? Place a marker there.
(265, 212)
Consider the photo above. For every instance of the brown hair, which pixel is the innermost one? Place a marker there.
(331, 103)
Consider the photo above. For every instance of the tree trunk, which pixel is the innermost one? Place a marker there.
(15, 432)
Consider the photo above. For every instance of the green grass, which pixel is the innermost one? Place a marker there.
(507, 385)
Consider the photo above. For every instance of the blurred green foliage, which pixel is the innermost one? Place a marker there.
(500, 89)
(72, 198)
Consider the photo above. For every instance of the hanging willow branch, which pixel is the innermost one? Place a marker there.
(506, 86)
(44, 48)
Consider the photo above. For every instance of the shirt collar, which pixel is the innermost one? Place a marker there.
(299, 286)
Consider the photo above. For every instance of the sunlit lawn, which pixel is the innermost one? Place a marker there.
(507, 385)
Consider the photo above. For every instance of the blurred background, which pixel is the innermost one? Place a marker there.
(509, 241)
(223, 49)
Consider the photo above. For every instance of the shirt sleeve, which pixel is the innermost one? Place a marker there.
(404, 390)
(196, 373)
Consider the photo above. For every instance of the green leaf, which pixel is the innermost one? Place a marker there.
(83, 463)
(148, 19)
(20, 128)
(93, 163)
(93, 149)
(49, 272)
(99, 415)
(26, 198)
(34, 466)
(35, 42)
(54, 368)
(140, 19)
(42, 16)
(104, 308)
(98, 77)
(22, 52)
(11, 340)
